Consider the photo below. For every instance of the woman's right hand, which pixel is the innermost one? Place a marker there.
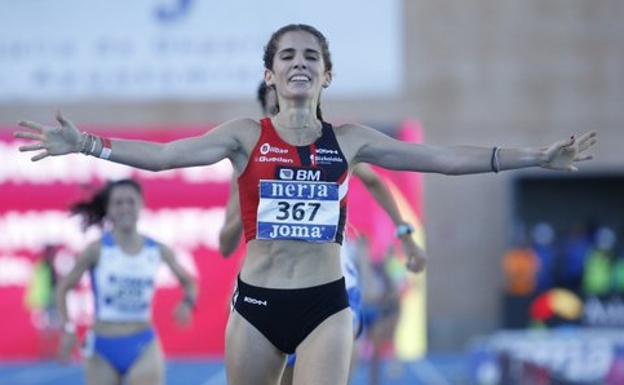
(183, 314)
(60, 140)
(68, 341)
(416, 257)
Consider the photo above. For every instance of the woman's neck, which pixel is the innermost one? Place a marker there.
(297, 119)
(297, 127)
(297, 115)
(128, 237)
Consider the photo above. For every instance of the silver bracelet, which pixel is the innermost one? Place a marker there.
(93, 145)
(87, 144)
(495, 160)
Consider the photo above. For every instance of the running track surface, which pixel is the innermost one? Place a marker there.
(435, 370)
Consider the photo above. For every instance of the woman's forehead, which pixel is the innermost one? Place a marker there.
(124, 191)
(298, 40)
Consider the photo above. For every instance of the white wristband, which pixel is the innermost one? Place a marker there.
(107, 148)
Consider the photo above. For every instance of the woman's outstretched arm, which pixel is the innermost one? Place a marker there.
(224, 141)
(371, 146)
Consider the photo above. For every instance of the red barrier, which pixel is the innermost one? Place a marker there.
(184, 209)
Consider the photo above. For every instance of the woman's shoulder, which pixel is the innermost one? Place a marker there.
(354, 134)
(240, 124)
(97, 243)
(91, 253)
(346, 129)
(244, 130)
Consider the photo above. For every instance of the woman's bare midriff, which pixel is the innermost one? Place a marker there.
(119, 329)
(290, 264)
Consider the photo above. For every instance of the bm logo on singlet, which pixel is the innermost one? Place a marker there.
(301, 174)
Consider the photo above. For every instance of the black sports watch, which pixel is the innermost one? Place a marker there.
(404, 229)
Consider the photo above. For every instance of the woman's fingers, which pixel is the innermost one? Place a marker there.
(587, 136)
(32, 147)
(40, 156)
(61, 118)
(28, 135)
(587, 140)
(587, 144)
(583, 158)
(561, 145)
(569, 142)
(32, 125)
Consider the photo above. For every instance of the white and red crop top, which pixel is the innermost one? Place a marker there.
(294, 192)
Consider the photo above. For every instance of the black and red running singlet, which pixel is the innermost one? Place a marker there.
(294, 192)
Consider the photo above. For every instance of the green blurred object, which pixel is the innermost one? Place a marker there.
(39, 293)
(597, 276)
(618, 276)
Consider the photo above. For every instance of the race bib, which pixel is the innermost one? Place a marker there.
(298, 210)
(128, 294)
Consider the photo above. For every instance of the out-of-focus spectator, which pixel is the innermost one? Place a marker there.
(543, 237)
(618, 275)
(39, 298)
(40, 290)
(575, 249)
(380, 312)
(520, 266)
(597, 275)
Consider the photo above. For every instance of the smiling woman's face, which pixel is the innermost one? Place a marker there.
(298, 67)
(124, 206)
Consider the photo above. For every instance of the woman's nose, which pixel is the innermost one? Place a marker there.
(300, 62)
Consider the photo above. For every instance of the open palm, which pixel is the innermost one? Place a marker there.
(49, 141)
(563, 154)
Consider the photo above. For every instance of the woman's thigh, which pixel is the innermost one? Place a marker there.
(149, 367)
(99, 372)
(323, 358)
(250, 358)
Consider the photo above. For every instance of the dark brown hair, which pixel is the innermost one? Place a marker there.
(93, 211)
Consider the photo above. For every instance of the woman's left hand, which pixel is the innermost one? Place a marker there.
(563, 154)
(66, 345)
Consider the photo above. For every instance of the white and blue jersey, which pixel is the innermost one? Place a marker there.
(348, 263)
(123, 285)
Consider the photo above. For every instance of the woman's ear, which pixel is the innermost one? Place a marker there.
(268, 77)
(328, 79)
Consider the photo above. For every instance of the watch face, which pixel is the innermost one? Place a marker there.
(404, 229)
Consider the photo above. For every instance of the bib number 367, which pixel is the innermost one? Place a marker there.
(297, 211)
